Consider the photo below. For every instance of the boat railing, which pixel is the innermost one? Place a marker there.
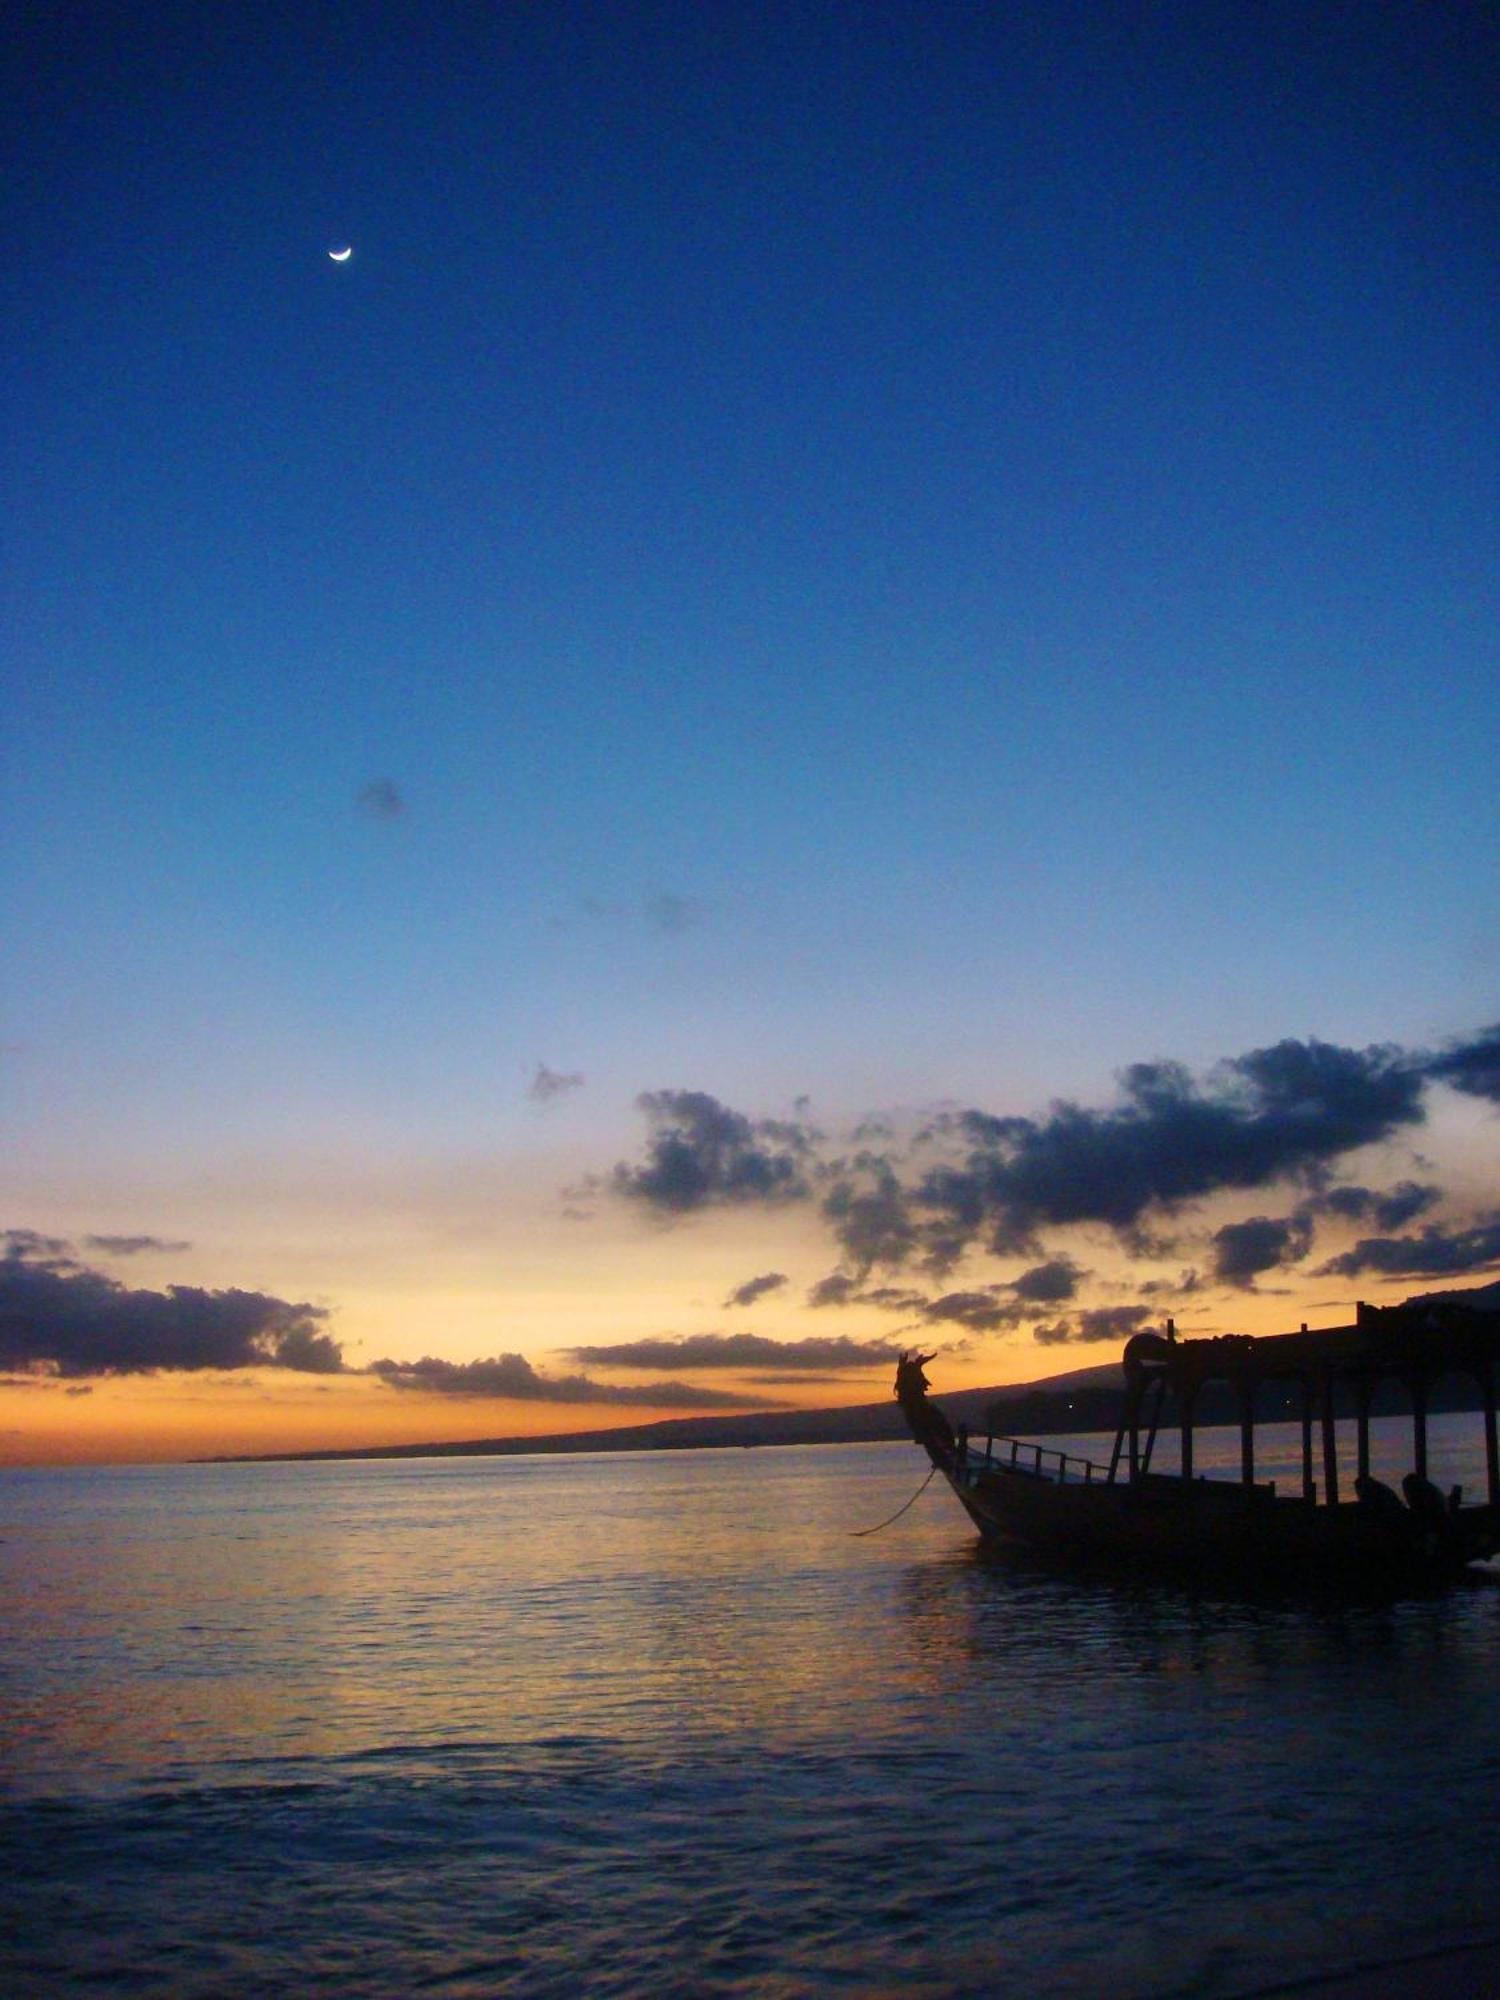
(1036, 1461)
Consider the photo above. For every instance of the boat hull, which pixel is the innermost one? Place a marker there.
(1216, 1531)
(1015, 1491)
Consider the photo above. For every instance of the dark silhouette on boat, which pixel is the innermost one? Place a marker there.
(1244, 1531)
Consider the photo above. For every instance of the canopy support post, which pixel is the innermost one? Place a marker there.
(1362, 1390)
(1330, 1445)
(1419, 1421)
(1189, 1396)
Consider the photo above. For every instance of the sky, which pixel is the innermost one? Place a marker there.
(839, 691)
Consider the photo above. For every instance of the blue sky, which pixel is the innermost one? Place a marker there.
(900, 554)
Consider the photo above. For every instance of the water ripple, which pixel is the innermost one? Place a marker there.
(662, 1726)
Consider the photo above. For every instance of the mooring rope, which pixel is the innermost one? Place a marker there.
(859, 1533)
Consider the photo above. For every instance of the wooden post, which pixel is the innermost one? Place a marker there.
(1154, 1420)
(1309, 1484)
(1247, 1432)
(1189, 1397)
(1491, 1444)
(1362, 1389)
(1419, 1421)
(1330, 1445)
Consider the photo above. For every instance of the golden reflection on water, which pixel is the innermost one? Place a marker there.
(214, 1613)
(203, 1616)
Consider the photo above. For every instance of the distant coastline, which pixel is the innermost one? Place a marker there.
(1086, 1399)
(861, 1423)
(866, 1423)
(1037, 1410)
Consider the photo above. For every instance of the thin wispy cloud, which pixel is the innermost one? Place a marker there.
(380, 799)
(699, 1351)
(757, 1288)
(30, 1243)
(548, 1085)
(673, 914)
(135, 1246)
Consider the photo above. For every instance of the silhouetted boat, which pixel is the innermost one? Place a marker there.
(1229, 1531)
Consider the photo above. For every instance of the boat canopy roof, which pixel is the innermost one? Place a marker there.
(1422, 1341)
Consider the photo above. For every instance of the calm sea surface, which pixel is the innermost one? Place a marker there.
(662, 1725)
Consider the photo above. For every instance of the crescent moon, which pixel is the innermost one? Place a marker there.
(342, 256)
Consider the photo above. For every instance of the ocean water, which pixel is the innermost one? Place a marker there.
(665, 1725)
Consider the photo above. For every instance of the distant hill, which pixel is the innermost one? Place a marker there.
(1484, 1298)
(863, 1423)
(1081, 1399)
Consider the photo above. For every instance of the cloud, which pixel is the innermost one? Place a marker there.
(1282, 1112)
(871, 1214)
(837, 1289)
(42, 1249)
(775, 1381)
(61, 1318)
(1047, 1283)
(550, 1084)
(981, 1309)
(1242, 1250)
(840, 1289)
(1102, 1323)
(672, 914)
(1472, 1066)
(1432, 1252)
(1181, 1287)
(739, 1350)
(892, 1298)
(1388, 1211)
(134, 1246)
(970, 1181)
(511, 1378)
(1006, 1304)
(380, 800)
(980, 1312)
(756, 1288)
(701, 1154)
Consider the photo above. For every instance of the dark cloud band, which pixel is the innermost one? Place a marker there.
(1432, 1252)
(511, 1378)
(740, 1350)
(61, 1317)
